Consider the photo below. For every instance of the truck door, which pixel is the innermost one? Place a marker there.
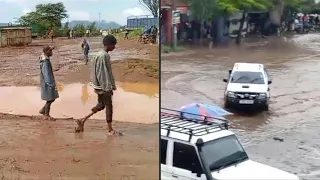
(184, 157)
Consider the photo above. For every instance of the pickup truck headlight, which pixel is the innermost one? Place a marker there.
(231, 94)
(262, 96)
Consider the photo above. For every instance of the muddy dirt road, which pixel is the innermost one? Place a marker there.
(295, 107)
(132, 62)
(35, 149)
(32, 148)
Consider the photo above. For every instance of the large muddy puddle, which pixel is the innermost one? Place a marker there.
(132, 102)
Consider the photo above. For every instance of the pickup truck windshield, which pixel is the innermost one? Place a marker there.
(223, 152)
(246, 77)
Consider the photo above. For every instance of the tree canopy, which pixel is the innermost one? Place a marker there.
(46, 16)
(232, 6)
(152, 6)
(207, 9)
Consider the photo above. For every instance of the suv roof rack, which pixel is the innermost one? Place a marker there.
(173, 120)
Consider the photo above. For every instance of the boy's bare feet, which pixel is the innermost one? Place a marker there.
(48, 117)
(42, 111)
(80, 126)
(115, 133)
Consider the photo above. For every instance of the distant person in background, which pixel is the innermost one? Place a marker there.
(85, 49)
(49, 92)
(154, 34)
(126, 34)
(87, 32)
(316, 20)
(71, 34)
(51, 34)
(305, 21)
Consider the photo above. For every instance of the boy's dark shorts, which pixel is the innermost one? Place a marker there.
(104, 101)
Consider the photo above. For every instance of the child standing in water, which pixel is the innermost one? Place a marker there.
(85, 49)
(49, 92)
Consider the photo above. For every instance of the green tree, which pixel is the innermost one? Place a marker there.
(65, 29)
(152, 6)
(92, 27)
(79, 30)
(243, 6)
(205, 10)
(316, 8)
(46, 16)
(295, 6)
(202, 10)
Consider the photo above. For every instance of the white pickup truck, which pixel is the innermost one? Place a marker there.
(207, 150)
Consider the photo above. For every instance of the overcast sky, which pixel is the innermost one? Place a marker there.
(111, 10)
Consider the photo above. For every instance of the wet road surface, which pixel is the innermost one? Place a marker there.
(294, 115)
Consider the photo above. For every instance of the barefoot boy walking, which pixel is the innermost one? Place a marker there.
(85, 49)
(49, 92)
(103, 82)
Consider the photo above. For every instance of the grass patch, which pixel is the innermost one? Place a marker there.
(134, 33)
(168, 49)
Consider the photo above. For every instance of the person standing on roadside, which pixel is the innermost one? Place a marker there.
(85, 49)
(126, 34)
(103, 83)
(51, 34)
(71, 33)
(49, 92)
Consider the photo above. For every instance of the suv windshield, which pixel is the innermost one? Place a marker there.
(245, 77)
(223, 152)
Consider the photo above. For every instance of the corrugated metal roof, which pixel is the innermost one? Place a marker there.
(142, 22)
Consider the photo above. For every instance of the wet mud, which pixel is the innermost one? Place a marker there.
(132, 62)
(293, 64)
(33, 148)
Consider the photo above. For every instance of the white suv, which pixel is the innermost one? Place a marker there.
(248, 84)
(207, 150)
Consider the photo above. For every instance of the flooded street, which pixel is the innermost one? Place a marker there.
(293, 64)
(33, 148)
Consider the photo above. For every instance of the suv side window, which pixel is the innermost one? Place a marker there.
(184, 156)
(163, 155)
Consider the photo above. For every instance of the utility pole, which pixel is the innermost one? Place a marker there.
(174, 26)
(99, 20)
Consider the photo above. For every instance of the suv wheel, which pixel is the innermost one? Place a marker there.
(265, 107)
(226, 105)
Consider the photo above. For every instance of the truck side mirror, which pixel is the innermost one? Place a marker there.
(196, 169)
(269, 82)
(230, 70)
(225, 80)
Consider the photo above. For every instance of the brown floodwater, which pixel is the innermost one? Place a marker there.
(293, 64)
(133, 102)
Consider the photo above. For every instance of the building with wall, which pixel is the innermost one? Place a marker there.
(142, 21)
(166, 17)
(15, 36)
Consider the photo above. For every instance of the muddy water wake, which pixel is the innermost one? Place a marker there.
(295, 100)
